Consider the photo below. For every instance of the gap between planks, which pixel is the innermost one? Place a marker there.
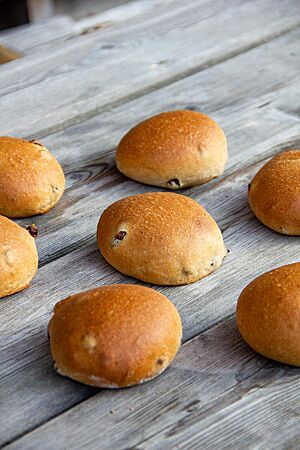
(71, 108)
(149, 89)
(44, 36)
(78, 147)
(214, 303)
(215, 373)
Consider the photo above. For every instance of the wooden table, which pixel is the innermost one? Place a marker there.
(78, 88)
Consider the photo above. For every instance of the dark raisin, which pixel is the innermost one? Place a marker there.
(173, 183)
(160, 361)
(32, 230)
(249, 186)
(120, 235)
(34, 141)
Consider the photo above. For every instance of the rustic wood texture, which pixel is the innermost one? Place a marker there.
(26, 38)
(40, 37)
(164, 49)
(214, 376)
(218, 393)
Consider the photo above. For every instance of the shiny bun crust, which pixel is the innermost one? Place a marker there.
(173, 149)
(161, 238)
(274, 193)
(18, 257)
(31, 180)
(114, 336)
(268, 314)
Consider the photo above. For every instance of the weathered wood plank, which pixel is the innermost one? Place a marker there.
(115, 39)
(24, 353)
(219, 389)
(59, 231)
(255, 131)
(97, 184)
(26, 37)
(228, 86)
(93, 179)
(45, 36)
(85, 78)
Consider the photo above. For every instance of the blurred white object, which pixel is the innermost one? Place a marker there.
(40, 10)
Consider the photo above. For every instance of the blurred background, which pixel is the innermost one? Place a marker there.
(19, 12)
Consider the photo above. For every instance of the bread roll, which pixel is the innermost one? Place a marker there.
(114, 336)
(274, 193)
(174, 149)
(18, 257)
(31, 180)
(268, 314)
(161, 238)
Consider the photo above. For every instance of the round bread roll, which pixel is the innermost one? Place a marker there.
(18, 257)
(114, 336)
(161, 238)
(268, 314)
(31, 180)
(274, 193)
(173, 149)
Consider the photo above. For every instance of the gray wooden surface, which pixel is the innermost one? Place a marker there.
(78, 89)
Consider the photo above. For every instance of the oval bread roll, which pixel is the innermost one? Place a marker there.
(173, 149)
(18, 257)
(31, 180)
(274, 193)
(161, 238)
(268, 314)
(114, 336)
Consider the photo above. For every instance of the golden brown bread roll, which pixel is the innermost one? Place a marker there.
(114, 336)
(268, 314)
(18, 257)
(173, 149)
(274, 193)
(161, 238)
(31, 180)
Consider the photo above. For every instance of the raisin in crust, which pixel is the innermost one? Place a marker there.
(173, 149)
(167, 238)
(114, 336)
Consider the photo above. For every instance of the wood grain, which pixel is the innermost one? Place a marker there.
(46, 36)
(26, 38)
(86, 150)
(172, 49)
(213, 381)
(218, 389)
(24, 355)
